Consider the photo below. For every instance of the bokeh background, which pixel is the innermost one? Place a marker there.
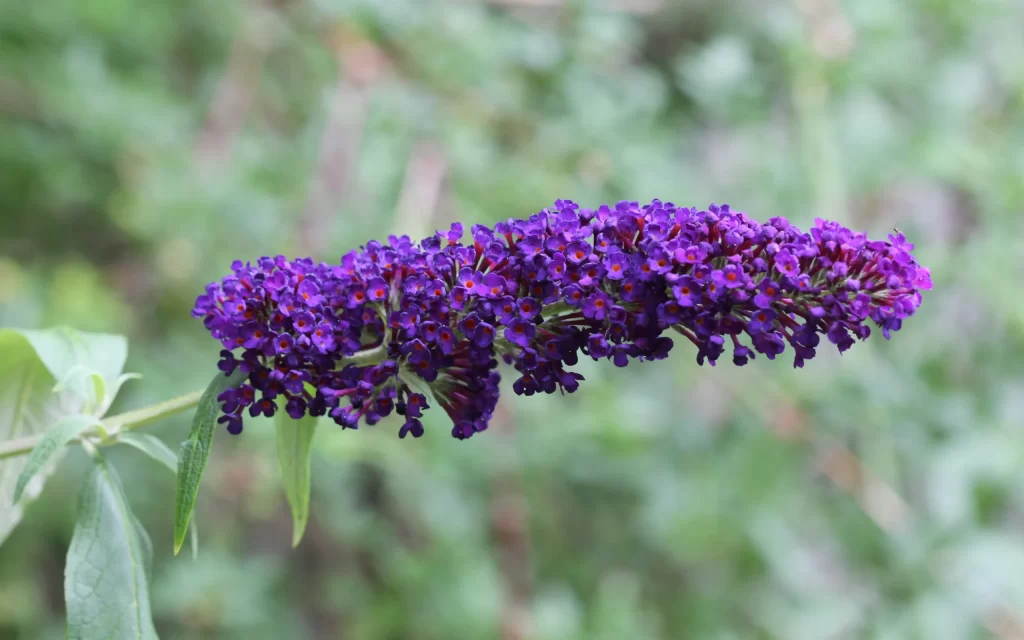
(144, 146)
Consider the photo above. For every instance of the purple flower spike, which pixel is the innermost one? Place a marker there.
(352, 339)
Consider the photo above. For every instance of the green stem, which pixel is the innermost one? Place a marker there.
(148, 415)
(121, 422)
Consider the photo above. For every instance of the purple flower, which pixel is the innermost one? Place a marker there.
(493, 286)
(761, 321)
(309, 292)
(659, 261)
(471, 281)
(686, 292)
(227, 362)
(573, 296)
(741, 355)
(528, 308)
(616, 265)
(631, 290)
(591, 274)
(577, 252)
(598, 346)
(233, 422)
(255, 335)
(428, 331)
(446, 340)
(520, 332)
(303, 322)
(263, 407)
(596, 306)
(356, 297)
(458, 298)
(768, 292)
(690, 255)
(296, 408)
(732, 276)
(412, 426)
(377, 290)
(484, 335)
(284, 343)
(787, 264)
(323, 338)
(670, 313)
(620, 355)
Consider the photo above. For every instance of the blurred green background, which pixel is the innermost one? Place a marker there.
(145, 145)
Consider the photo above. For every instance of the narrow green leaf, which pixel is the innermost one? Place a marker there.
(106, 579)
(196, 451)
(155, 448)
(99, 390)
(151, 446)
(53, 441)
(121, 379)
(294, 448)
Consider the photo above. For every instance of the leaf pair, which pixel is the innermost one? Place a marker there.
(294, 447)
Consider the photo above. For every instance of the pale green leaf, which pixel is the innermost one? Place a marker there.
(53, 440)
(27, 408)
(151, 446)
(121, 379)
(294, 448)
(195, 452)
(32, 363)
(106, 579)
(74, 357)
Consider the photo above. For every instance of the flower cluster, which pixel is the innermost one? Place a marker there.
(364, 338)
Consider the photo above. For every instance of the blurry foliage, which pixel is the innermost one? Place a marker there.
(147, 145)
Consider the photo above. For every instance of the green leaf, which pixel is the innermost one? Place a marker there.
(106, 579)
(121, 379)
(294, 446)
(155, 448)
(151, 446)
(32, 363)
(75, 358)
(53, 441)
(146, 548)
(26, 408)
(195, 452)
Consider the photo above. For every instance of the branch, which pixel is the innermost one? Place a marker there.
(127, 421)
